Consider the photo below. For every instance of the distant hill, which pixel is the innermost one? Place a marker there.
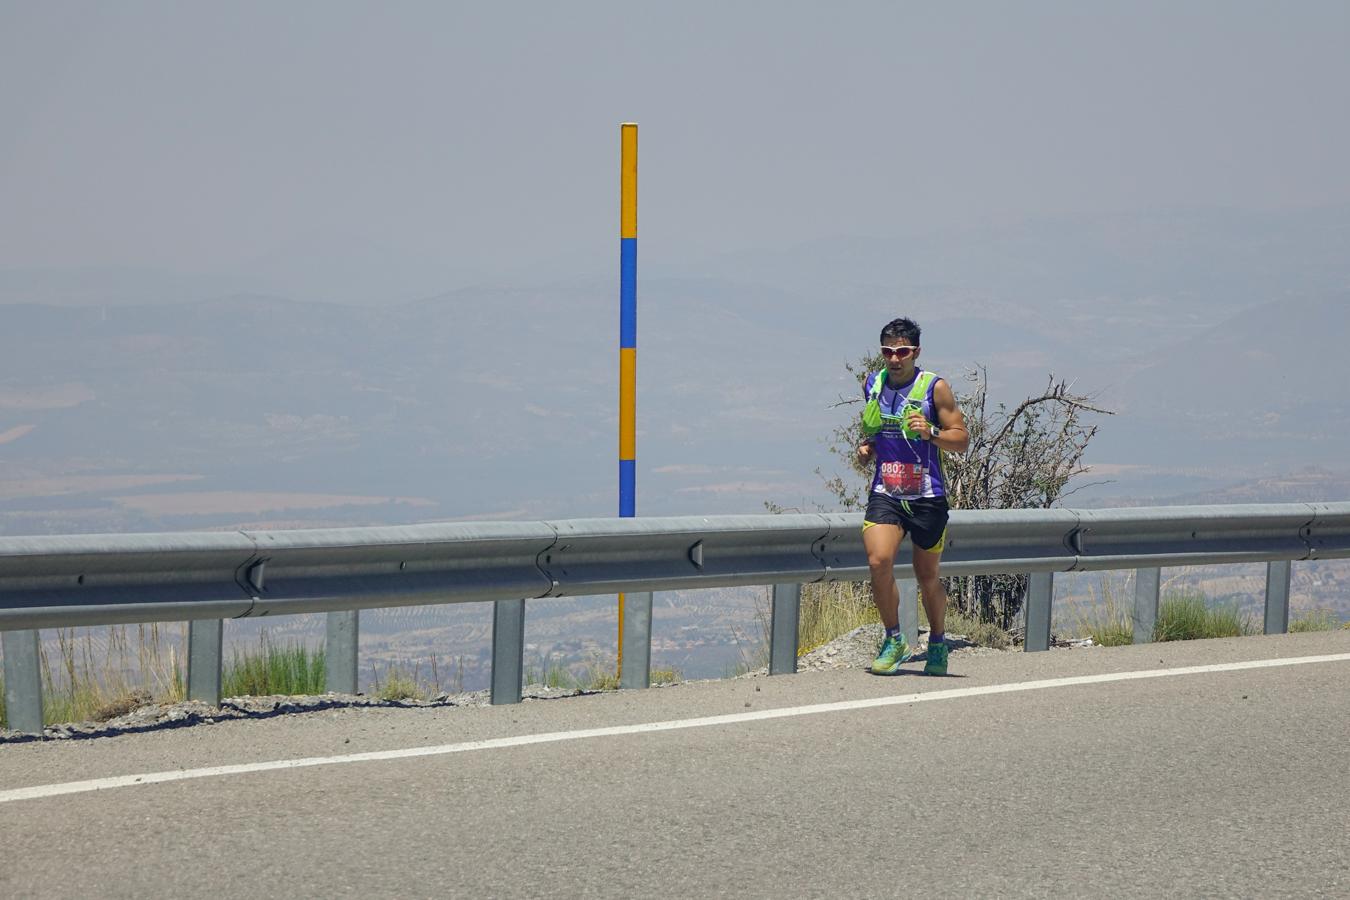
(1261, 385)
(1310, 485)
(501, 401)
(1195, 258)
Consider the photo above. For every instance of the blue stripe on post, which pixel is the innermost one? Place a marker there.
(628, 292)
(627, 487)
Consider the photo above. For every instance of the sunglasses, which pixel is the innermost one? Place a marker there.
(898, 352)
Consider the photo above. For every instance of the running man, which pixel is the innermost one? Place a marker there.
(919, 422)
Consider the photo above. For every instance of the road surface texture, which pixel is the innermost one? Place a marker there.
(1002, 780)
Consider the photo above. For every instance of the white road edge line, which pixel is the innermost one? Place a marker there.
(98, 784)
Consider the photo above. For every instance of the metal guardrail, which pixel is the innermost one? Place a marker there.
(203, 578)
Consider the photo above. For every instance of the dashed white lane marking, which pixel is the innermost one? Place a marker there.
(99, 784)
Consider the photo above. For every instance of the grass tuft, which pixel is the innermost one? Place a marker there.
(553, 675)
(831, 609)
(1315, 620)
(398, 684)
(127, 674)
(271, 669)
(1112, 634)
(665, 676)
(599, 679)
(1106, 621)
(983, 634)
(1186, 617)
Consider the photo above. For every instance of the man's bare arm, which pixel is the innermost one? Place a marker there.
(952, 434)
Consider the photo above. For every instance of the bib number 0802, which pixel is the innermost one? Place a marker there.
(902, 478)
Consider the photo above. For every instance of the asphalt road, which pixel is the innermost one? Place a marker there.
(1217, 783)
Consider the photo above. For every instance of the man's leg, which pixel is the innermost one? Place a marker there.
(934, 596)
(935, 605)
(881, 542)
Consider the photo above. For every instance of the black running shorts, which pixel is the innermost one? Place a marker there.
(924, 519)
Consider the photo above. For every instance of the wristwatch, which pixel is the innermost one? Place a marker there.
(933, 432)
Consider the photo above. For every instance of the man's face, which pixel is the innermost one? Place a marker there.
(900, 355)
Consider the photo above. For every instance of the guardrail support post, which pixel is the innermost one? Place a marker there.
(1147, 583)
(908, 591)
(637, 641)
(339, 654)
(1040, 595)
(23, 681)
(203, 675)
(1278, 575)
(508, 650)
(783, 624)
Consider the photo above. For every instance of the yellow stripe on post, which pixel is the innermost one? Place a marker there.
(627, 181)
(627, 403)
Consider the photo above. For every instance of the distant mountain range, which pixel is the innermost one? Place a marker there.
(1215, 337)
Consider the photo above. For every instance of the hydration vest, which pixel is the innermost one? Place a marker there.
(873, 418)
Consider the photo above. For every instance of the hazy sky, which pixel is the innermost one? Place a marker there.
(212, 135)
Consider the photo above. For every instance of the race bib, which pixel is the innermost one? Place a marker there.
(902, 478)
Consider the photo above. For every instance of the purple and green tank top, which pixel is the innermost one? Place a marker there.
(907, 466)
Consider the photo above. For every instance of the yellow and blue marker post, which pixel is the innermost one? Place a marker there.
(627, 333)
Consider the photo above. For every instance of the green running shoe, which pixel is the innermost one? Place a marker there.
(937, 660)
(894, 651)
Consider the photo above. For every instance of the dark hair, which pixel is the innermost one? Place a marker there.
(907, 329)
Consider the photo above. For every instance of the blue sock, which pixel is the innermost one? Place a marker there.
(893, 632)
(937, 637)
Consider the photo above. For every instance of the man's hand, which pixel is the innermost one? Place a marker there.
(918, 424)
(864, 452)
